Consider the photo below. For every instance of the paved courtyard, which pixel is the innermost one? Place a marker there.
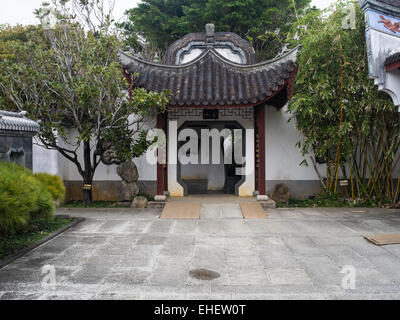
(295, 254)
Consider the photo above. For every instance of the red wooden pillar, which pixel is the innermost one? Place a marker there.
(161, 167)
(260, 149)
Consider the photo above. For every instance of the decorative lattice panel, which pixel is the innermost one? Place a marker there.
(235, 113)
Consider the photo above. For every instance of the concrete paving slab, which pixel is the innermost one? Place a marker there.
(288, 277)
(132, 254)
(218, 211)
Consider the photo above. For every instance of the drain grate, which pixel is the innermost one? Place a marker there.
(204, 274)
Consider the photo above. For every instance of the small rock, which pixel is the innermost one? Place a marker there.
(262, 198)
(281, 193)
(160, 198)
(128, 171)
(139, 203)
(128, 191)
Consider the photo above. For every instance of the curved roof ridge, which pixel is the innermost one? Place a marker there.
(259, 64)
(204, 54)
(219, 38)
(217, 33)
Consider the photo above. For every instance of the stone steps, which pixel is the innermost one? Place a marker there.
(269, 204)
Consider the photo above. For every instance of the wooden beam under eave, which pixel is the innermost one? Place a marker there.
(393, 66)
(260, 149)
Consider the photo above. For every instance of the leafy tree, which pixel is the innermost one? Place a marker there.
(347, 123)
(264, 22)
(9, 36)
(71, 80)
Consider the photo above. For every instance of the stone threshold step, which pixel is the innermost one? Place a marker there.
(270, 204)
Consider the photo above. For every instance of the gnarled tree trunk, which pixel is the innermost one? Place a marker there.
(87, 174)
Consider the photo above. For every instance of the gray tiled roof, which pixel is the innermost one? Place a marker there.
(384, 6)
(392, 59)
(12, 121)
(395, 3)
(211, 79)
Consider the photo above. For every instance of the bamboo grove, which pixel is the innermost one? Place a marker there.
(350, 129)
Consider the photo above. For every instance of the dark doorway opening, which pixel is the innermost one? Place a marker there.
(210, 178)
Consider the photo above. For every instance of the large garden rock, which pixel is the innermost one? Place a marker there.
(281, 193)
(139, 202)
(128, 191)
(128, 172)
(109, 156)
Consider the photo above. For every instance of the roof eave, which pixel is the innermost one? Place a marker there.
(128, 61)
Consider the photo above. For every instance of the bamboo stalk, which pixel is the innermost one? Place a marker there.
(397, 190)
(352, 184)
(317, 171)
(341, 115)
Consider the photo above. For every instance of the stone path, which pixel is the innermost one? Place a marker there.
(295, 254)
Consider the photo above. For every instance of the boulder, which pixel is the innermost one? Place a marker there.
(109, 155)
(128, 171)
(281, 193)
(139, 202)
(128, 191)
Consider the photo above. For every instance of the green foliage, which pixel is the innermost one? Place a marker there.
(347, 123)
(94, 204)
(22, 198)
(53, 184)
(45, 206)
(36, 230)
(325, 200)
(69, 77)
(264, 22)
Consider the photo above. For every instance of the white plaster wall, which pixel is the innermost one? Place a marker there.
(283, 158)
(69, 172)
(383, 45)
(174, 187)
(230, 55)
(392, 86)
(195, 53)
(44, 160)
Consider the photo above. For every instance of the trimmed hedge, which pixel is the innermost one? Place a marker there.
(53, 184)
(24, 197)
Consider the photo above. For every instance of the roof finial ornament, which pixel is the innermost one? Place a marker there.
(210, 32)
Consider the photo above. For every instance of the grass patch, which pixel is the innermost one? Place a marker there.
(100, 204)
(37, 230)
(325, 201)
(94, 204)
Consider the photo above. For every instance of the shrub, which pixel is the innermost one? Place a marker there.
(45, 206)
(53, 184)
(22, 198)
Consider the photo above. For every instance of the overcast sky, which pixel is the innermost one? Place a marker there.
(21, 11)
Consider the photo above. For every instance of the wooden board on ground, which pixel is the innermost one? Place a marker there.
(253, 210)
(181, 210)
(384, 239)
